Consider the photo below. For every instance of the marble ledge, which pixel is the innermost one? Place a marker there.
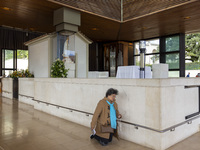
(125, 82)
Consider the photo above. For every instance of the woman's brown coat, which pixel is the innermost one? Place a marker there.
(102, 117)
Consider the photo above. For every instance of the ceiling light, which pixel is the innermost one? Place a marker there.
(32, 29)
(186, 17)
(95, 29)
(6, 8)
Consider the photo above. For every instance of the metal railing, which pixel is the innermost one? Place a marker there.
(137, 126)
(196, 113)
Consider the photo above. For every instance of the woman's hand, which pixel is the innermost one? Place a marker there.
(119, 116)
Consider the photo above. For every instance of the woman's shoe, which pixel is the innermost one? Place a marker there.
(91, 136)
(102, 143)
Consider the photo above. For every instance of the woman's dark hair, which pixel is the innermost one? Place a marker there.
(111, 91)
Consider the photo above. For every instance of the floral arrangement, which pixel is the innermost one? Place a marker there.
(21, 74)
(58, 69)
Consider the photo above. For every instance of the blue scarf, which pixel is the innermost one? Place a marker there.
(113, 118)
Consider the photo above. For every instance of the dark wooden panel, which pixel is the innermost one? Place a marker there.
(35, 15)
(110, 9)
(136, 8)
(98, 28)
(182, 19)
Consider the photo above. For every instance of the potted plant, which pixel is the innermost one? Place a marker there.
(58, 69)
(19, 74)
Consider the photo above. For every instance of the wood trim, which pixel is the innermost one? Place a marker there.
(160, 10)
(82, 10)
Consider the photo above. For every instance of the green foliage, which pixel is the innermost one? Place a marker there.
(22, 54)
(149, 65)
(192, 66)
(192, 46)
(172, 44)
(21, 74)
(9, 54)
(58, 69)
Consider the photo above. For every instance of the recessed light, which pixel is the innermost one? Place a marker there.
(95, 29)
(32, 29)
(6, 8)
(187, 17)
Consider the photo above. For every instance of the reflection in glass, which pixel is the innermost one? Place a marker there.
(22, 59)
(173, 73)
(136, 48)
(173, 60)
(6, 72)
(152, 46)
(112, 61)
(152, 59)
(106, 59)
(120, 58)
(9, 58)
(172, 44)
(137, 60)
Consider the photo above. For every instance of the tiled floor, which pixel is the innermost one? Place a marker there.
(23, 128)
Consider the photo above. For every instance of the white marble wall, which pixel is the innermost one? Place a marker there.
(39, 55)
(160, 70)
(26, 90)
(7, 87)
(155, 103)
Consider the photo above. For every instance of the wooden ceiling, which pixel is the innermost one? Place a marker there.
(137, 8)
(101, 20)
(105, 8)
(34, 15)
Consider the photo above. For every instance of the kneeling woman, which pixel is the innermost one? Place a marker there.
(104, 120)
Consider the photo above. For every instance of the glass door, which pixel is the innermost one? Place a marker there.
(9, 61)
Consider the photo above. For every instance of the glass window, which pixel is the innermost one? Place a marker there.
(152, 59)
(22, 59)
(112, 61)
(9, 58)
(172, 44)
(137, 60)
(152, 46)
(6, 72)
(173, 60)
(173, 73)
(136, 48)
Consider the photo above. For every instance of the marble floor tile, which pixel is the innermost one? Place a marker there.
(24, 128)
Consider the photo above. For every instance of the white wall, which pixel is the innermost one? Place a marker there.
(39, 58)
(81, 48)
(7, 87)
(43, 52)
(54, 46)
(26, 90)
(154, 103)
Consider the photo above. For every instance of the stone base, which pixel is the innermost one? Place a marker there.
(71, 67)
(160, 70)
